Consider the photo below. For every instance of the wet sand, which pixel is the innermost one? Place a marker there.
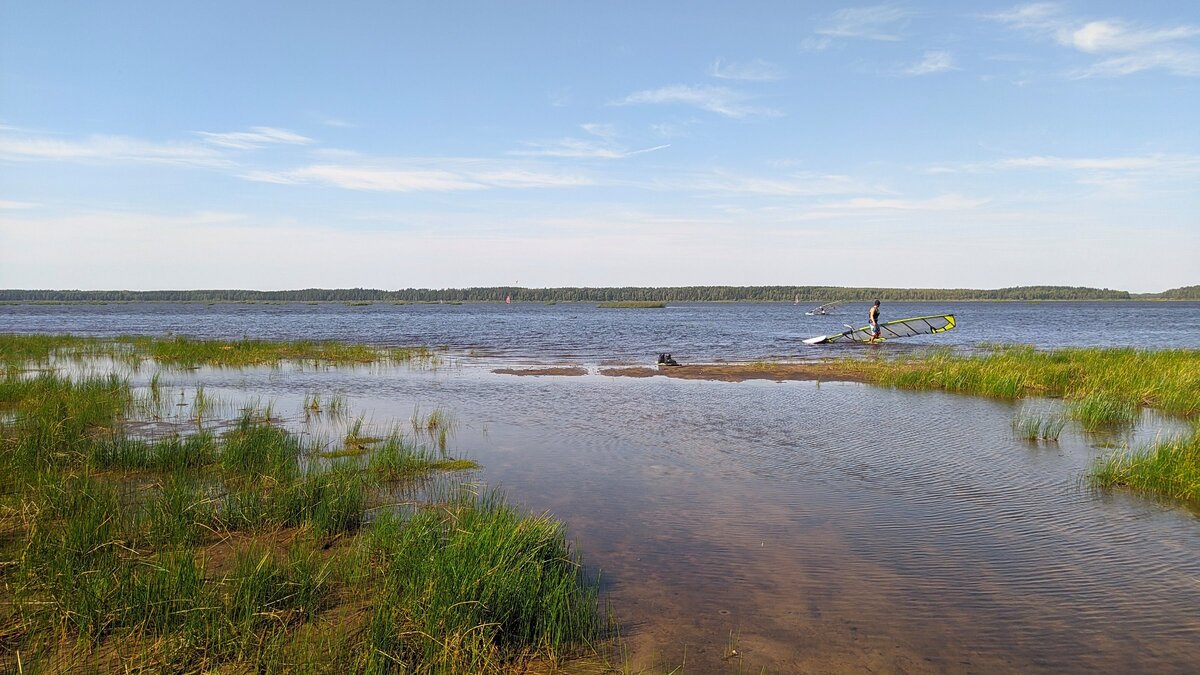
(740, 372)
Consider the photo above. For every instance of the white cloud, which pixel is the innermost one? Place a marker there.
(933, 62)
(720, 100)
(7, 204)
(879, 22)
(1156, 163)
(420, 176)
(757, 70)
(257, 137)
(1125, 48)
(108, 149)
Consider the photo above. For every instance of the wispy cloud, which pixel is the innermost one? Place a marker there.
(99, 148)
(932, 62)
(798, 184)
(257, 137)
(720, 100)
(1124, 48)
(878, 22)
(420, 176)
(603, 145)
(757, 70)
(7, 204)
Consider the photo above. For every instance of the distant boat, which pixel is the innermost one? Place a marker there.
(823, 309)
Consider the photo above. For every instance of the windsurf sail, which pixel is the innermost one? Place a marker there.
(823, 309)
(890, 330)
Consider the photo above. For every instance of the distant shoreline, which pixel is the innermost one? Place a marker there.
(610, 294)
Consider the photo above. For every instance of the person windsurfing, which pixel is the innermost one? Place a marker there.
(873, 319)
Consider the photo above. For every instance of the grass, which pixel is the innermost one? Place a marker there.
(1169, 467)
(1034, 427)
(633, 304)
(1104, 384)
(244, 551)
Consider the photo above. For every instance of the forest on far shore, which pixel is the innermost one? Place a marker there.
(818, 294)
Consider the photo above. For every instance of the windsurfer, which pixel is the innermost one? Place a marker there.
(873, 319)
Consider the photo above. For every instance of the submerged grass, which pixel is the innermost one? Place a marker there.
(244, 551)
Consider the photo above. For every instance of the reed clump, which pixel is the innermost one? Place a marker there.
(1034, 427)
(1169, 467)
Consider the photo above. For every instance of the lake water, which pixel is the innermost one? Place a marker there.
(585, 333)
(813, 527)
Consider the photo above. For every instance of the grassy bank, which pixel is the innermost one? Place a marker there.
(247, 550)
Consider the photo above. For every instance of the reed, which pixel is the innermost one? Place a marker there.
(1169, 467)
(1034, 427)
(464, 586)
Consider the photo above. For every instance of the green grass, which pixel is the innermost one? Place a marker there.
(1106, 383)
(633, 304)
(245, 551)
(1034, 427)
(1169, 467)
(192, 353)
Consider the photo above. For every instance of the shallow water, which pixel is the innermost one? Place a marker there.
(812, 527)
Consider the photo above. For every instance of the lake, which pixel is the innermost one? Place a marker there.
(810, 526)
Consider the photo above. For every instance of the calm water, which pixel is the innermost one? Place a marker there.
(818, 528)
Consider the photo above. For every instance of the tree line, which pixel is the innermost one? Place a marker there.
(816, 294)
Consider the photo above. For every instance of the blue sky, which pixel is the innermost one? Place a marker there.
(390, 145)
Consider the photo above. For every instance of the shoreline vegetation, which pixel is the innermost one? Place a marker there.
(243, 546)
(676, 294)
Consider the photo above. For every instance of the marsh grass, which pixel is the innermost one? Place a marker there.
(1106, 382)
(239, 552)
(1168, 467)
(1035, 427)
(185, 352)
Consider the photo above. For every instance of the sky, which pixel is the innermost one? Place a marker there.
(283, 145)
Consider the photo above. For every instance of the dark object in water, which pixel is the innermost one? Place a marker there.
(666, 360)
